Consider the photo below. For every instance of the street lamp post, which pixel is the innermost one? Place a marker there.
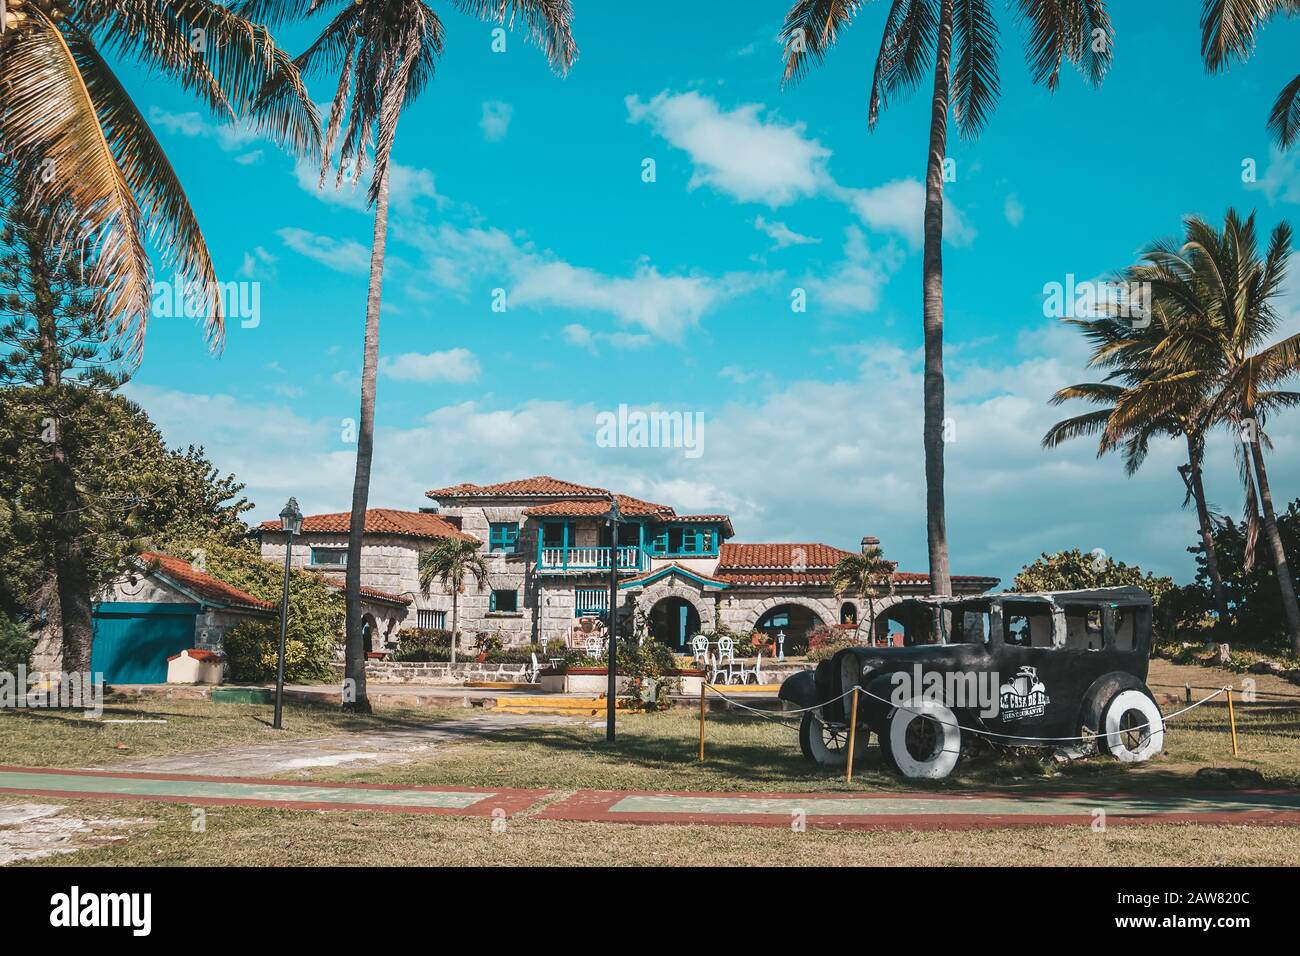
(611, 694)
(291, 524)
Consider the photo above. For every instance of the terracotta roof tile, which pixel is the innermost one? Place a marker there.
(539, 486)
(205, 586)
(743, 557)
(631, 507)
(412, 524)
(339, 584)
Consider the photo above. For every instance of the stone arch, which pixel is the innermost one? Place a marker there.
(662, 590)
(828, 611)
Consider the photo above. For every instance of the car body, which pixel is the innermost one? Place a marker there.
(1015, 669)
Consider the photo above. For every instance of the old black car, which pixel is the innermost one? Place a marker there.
(1021, 669)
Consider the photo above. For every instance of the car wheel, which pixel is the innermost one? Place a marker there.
(827, 745)
(922, 740)
(1133, 727)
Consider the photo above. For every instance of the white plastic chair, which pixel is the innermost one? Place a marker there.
(699, 647)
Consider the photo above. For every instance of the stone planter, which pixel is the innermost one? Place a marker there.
(595, 680)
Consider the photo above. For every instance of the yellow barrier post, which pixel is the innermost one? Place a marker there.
(1232, 722)
(853, 734)
(703, 684)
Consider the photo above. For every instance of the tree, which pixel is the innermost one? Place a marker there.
(384, 53)
(1218, 293)
(1228, 30)
(920, 36)
(450, 562)
(867, 574)
(1073, 570)
(84, 155)
(1130, 351)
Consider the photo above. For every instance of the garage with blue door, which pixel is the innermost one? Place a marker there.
(162, 605)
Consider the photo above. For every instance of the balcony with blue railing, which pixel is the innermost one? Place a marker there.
(631, 558)
(591, 602)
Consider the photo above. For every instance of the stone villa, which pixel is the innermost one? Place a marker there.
(548, 550)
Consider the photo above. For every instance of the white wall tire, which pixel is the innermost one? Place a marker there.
(827, 745)
(1133, 727)
(923, 740)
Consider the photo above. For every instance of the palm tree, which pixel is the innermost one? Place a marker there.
(867, 574)
(1130, 352)
(1228, 32)
(384, 52)
(1221, 292)
(450, 562)
(82, 170)
(920, 35)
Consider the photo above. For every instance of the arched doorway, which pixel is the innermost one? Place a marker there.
(795, 621)
(368, 633)
(673, 621)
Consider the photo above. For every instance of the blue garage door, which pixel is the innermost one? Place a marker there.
(134, 640)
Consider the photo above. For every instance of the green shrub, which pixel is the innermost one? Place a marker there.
(16, 646)
(424, 644)
(252, 648)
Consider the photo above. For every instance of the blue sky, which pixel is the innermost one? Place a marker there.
(676, 294)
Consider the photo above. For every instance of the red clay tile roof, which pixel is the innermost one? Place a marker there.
(919, 577)
(199, 655)
(765, 578)
(631, 507)
(411, 524)
(338, 584)
(542, 486)
(724, 520)
(749, 557)
(204, 586)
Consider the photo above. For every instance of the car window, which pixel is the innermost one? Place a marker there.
(969, 627)
(1124, 637)
(1084, 630)
(1031, 629)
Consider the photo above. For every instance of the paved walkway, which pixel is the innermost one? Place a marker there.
(895, 811)
(360, 749)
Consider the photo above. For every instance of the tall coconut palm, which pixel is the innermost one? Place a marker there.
(1130, 351)
(867, 574)
(1223, 291)
(1228, 30)
(80, 168)
(920, 38)
(383, 52)
(451, 562)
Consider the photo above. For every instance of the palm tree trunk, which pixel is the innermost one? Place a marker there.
(1207, 536)
(1284, 582)
(72, 576)
(932, 284)
(354, 667)
(455, 593)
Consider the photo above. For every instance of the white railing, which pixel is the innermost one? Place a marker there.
(630, 558)
(589, 600)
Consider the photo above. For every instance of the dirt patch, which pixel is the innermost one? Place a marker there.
(30, 831)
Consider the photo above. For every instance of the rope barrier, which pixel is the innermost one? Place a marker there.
(973, 730)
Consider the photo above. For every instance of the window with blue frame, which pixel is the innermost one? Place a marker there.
(685, 540)
(329, 557)
(503, 536)
(504, 601)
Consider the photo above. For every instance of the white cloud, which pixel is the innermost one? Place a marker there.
(899, 206)
(495, 121)
(454, 365)
(341, 255)
(229, 138)
(1281, 179)
(737, 152)
(1013, 210)
(258, 264)
(406, 186)
(781, 234)
(856, 283)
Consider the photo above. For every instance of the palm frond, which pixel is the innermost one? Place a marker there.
(975, 75)
(811, 28)
(1228, 27)
(1284, 120)
(549, 22)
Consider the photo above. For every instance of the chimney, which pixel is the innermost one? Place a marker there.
(869, 541)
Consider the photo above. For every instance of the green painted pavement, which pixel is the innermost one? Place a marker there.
(222, 790)
(955, 804)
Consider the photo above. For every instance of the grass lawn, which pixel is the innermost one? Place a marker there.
(653, 752)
